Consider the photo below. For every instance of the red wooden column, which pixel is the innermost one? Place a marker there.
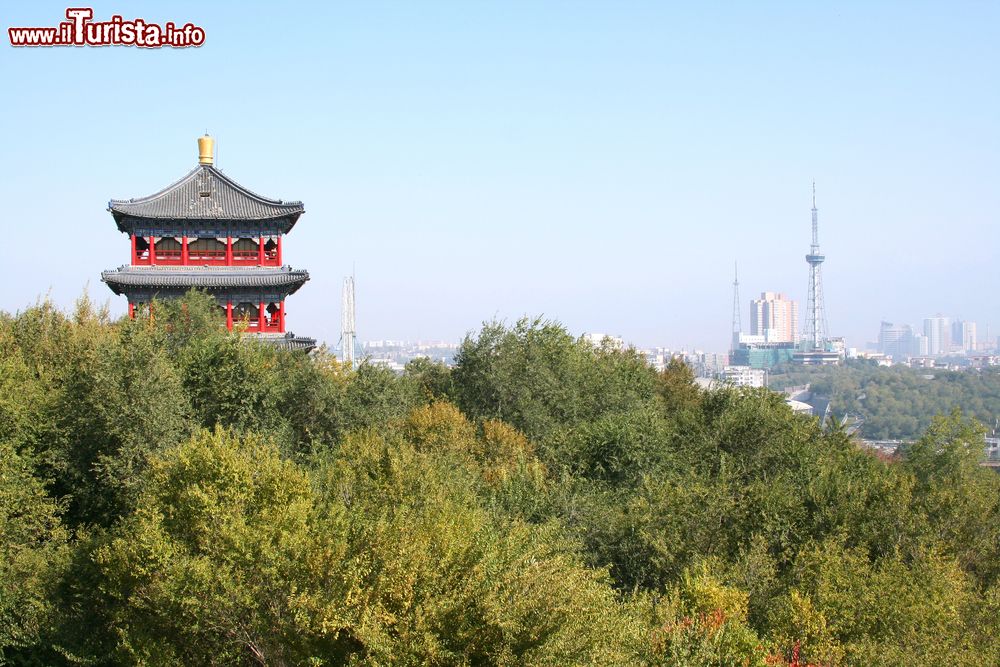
(152, 250)
(281, 316)
(134, 258)
(260, 317)
(131, 311)
(279, 249)
(229, 315)
(184, 250)
(229, 251)
(260, 251)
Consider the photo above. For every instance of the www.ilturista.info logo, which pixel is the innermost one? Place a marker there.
(79, 30)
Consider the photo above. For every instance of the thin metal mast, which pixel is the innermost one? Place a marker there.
(816, 329)
(737, 320)
(347, 327)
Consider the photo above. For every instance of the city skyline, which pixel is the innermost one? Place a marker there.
(600, 168)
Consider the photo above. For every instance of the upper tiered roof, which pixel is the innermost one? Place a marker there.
(204, 194)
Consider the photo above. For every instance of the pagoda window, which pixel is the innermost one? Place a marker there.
(248, 312)
(141, 253)
(271, 250)
(246, 251)
(207, 251)
(272, 317)
(168, 250)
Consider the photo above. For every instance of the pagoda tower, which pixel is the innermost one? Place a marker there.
(210, 233)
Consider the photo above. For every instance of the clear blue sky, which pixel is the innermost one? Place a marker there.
(602, 164)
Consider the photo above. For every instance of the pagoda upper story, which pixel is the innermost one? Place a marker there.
(207, 231)
(224, 223)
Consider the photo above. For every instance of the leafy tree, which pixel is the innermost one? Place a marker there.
(843, 606)
(703, 623)
(537, 378)
(433, 378)
(448, 582)
(121, 401)
(677, 387)
(225, 560)
(32, 553)
(959, 500)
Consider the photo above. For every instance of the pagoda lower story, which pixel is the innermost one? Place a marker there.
(209, 233)
(251, 299)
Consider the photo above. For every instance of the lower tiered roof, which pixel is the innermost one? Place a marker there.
(288, 341)
(172, 278)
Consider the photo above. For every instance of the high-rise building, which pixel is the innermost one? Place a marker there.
(775, 317)
(963, 336)
(896, 340)
(938, 332)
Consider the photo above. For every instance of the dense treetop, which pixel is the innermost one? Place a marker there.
(172, 494)
(898, 402)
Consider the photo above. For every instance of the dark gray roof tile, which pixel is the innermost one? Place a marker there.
(205, 194)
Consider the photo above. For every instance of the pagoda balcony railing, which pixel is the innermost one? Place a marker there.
(207, 256)
(189, 255)
(168, 257)
(255, 326)
(253, 258)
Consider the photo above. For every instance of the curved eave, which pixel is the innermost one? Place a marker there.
(172, 279)
(288, 341)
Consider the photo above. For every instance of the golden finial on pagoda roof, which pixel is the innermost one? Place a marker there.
(206, 149)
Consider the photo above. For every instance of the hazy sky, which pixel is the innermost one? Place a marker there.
(602, 164)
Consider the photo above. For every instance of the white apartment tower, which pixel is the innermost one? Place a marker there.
(938, 332)
(775, 317)
(963, 335)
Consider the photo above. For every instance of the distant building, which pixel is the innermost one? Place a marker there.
(938, 332)
(798, 407)
(600, 340)
(879, 358)
(963, 336)
(969, 338)
(657, 358)
(896, 341)
(920, 345)
(753, 351)
(745, 376)
(775, 317)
